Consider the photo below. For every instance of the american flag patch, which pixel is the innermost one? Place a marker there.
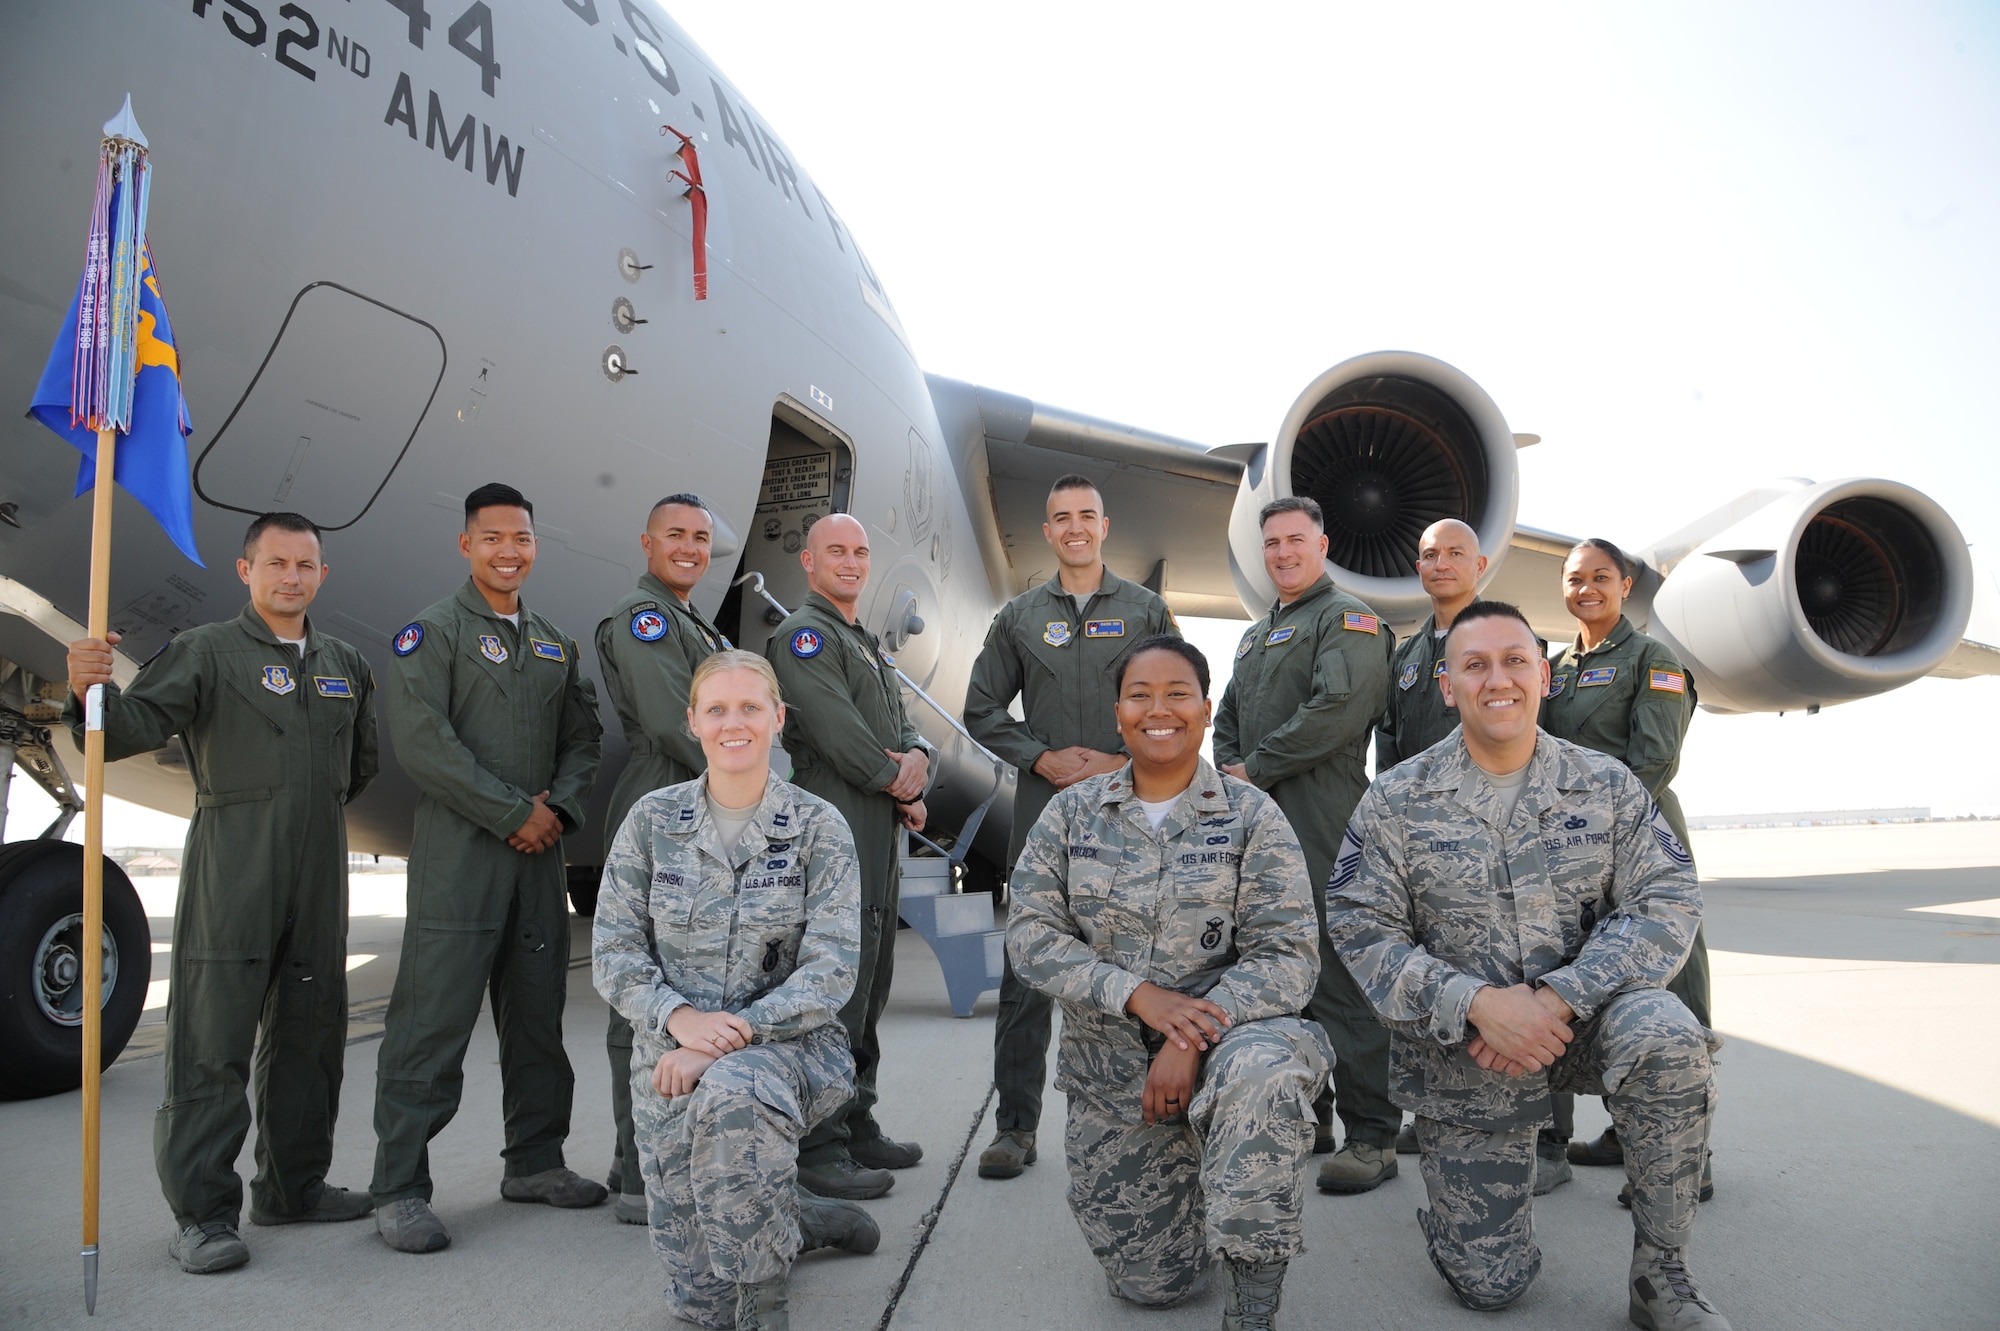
(1360, 623)
(1669, 681)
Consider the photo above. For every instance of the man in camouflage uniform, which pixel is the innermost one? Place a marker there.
(768, 930)
(1449, 565)
(648, 647)
(1213, 904)
(1311, 678)
(493, 720)
(278, 724)
(852, 744)
(1056, 646)
(1512, 903)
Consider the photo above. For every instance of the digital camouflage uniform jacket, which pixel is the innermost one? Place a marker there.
(1586, 890)
(1214, 904)
(770, 930)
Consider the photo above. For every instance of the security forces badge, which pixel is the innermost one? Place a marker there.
(1056, 634)
(649, 625)
(279, 680)
(492, 648)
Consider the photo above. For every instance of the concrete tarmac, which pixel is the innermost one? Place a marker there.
(1857, 1154)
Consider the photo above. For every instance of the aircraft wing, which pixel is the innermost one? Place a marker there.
(1970, 660)
(1168, 499)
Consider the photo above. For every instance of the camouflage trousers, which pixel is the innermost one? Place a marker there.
(1649, 1058)
(1155, 1200)
(721, 1165)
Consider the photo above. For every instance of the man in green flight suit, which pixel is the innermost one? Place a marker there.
(1311, 678)
(1056, 646)
(493, 720)
(852, 744)
(1449, 565)
(278, 724)
(648, 647)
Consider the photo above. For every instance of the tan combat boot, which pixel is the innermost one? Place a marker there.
(1255, 1290)
(1663, 1294)
(764, 1306)
(1358, 1167)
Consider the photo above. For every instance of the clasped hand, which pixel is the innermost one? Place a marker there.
(1066, 767)
(1169, 1084)
(1189, 1023)
(704, 1037)
(542, 830)
(1521, 1029)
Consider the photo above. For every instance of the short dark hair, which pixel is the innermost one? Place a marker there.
(294, 522)
(495, 495)
(1490, 610)
(1166, 642)
(1305, 504)
(685, 499)
(1075, 481)
(1626, 564)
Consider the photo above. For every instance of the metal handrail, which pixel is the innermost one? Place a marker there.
(956, 854)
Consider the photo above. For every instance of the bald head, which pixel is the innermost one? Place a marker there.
(836, 560)
(1450, 565)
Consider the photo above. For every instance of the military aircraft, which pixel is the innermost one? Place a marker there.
(411, 248)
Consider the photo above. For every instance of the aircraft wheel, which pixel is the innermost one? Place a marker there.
(583, 879)
(41, 976)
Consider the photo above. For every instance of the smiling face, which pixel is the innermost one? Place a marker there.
(499, 543)
(1076, 527)
(677, 543)
(1449, 563)
(1594, 588)
(1495, 676)
(283, 571)
(735, 716)
(836, 560)
(1162, 713)
(1294, 553)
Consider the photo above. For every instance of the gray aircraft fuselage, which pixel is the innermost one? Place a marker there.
(408, 252)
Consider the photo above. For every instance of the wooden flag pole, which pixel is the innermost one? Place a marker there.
(93, 858)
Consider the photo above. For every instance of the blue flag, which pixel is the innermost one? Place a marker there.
(151, 462)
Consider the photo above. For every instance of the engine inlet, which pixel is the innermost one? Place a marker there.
(1868, 577)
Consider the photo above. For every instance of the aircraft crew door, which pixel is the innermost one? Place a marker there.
(808, 473)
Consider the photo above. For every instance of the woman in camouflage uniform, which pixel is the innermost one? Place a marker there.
(1165, 906)
(728, 927)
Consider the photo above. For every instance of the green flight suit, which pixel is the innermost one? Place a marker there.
(276, 745)
(1063, 665)
(1417, 715)
(647, 647)
(484, 716)
(843, 707)
(1311, 679)
(1630, 698)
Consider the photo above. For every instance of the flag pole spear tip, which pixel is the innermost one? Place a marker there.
(124, 125)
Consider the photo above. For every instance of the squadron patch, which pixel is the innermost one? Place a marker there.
(1556, 683)
(1360, 623)
(1437, 671)
(1056, 633)
(1669, 681)
(806, 644)
(1409, 675)
(1104, 628)
(548, 651)
(1591, 679)
(332, 687)
(279, 680)
(1276, 636)
(411, 638)
(492, 648)
(649, 626)
(1243, 648)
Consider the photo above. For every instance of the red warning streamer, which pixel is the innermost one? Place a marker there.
(697, 198)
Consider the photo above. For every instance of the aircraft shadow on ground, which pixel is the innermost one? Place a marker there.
(1861, 916)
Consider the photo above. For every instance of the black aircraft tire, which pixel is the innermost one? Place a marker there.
(583, 880)
(41, 885)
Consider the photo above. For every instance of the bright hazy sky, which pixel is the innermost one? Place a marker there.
(1693, 246)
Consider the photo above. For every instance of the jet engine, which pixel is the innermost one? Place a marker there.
(1829, 593)
(1387, 443)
